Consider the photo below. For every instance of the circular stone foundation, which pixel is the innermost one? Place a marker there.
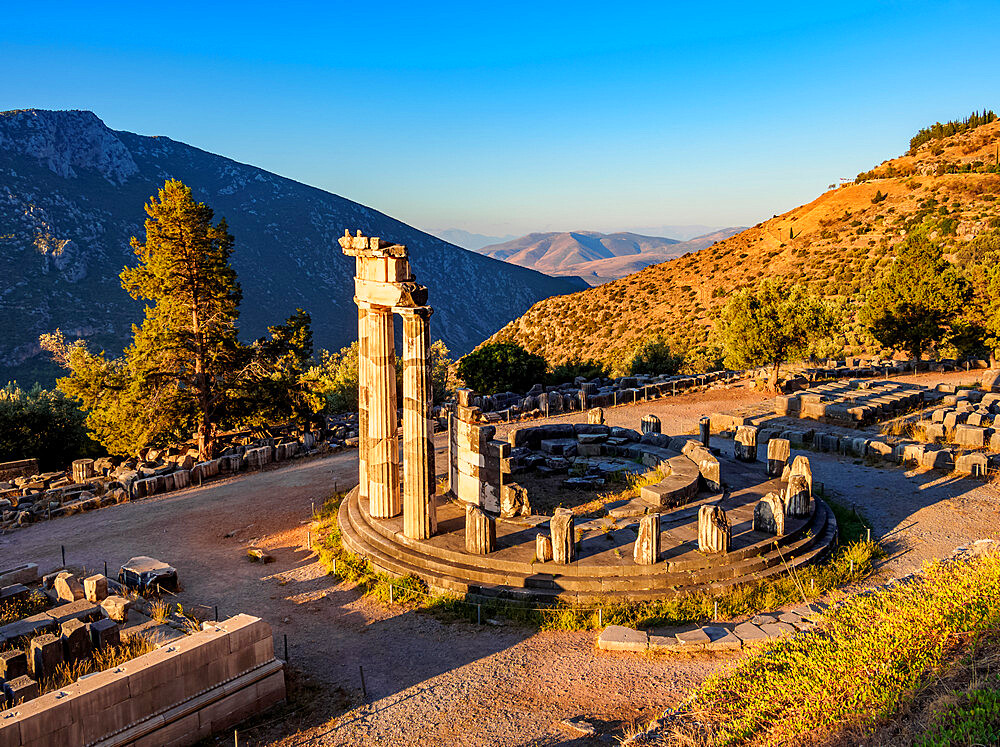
(604, 567)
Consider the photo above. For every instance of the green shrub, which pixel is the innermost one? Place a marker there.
(43, 424)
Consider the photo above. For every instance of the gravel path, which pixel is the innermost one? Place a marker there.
(430, 682)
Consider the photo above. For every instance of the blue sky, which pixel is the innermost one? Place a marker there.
(508, 117)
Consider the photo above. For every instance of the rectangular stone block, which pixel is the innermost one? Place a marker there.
(95, 588)
(26, 573)
(75, 639)
(103, 633)
(45, 653)
(13, 664)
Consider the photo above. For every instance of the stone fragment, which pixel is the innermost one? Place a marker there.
(749, 633)
(75, 640)
(620, 638)
(721, 639)
(95, 588)
(714, 531)
(258, 555)
(579, 726)
(562, 527)
(543, 548)
(596, 416)
(117, 607)
(103, 633)
(67, 587)
(20, 574)
(769, 515)
(45, 653)
(705, 430)
(745, 444)
(14, 594)
(776, 630)
(514, 501)
(798, 501)
(647, 543)
(13, 663)
(145, 573)
(800, 466)
(696, 637)
(778, 452)
(20, 690)
(650, 424)
(480, 531)
(974, 464)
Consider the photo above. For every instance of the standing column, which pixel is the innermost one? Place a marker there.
(383, 447)
(362, 399)
(419, 513)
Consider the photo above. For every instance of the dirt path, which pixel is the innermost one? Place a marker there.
(429, 682)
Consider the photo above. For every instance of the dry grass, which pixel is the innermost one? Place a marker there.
(869, 663)
(106, 658)
(160, 611)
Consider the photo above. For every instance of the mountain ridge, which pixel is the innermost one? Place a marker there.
(73, 192)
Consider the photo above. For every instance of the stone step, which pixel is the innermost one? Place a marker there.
(360, 537)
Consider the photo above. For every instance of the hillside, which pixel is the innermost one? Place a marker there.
(595, 257)
(835, 244)
(72, 193)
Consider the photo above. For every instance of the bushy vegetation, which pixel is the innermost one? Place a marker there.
(938, 131)
(44, 424)
(501, 367)
(870, 658)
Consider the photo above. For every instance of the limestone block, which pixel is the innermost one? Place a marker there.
(103, 633)
(480, 531)
(714, 531)
(13, 663)
(75, 640)
(95, 588)
(970, 436)
(800, 466)
(798, 497)
(45, 653)
(705, 430)
(83, 470)
(650, 424)
(562, 528)
(941, 459)
(620, 638)
(745, 444)
(68, 588)
(596, 416)
(543, 548)
(21, 689)
(21, 574)
(514, 501)
(975, 464)
(117, 607)
(769, 515)
(647, 544)
(778, 452)
(990, 381)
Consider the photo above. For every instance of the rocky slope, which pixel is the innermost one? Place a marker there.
(72, 193)
(836, 244)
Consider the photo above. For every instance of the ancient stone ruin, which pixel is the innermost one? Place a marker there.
(384, 286)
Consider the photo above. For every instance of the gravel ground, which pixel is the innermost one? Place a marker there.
(435, 683)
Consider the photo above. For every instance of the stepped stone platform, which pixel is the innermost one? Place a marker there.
(604, 567)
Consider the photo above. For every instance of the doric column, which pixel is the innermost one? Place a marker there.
(383, 447)
(362, 399)
(419, 516)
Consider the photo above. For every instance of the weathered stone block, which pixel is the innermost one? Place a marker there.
(705, 430)
(714, 531)
(20, 690)
(103, 633)
(480, 531)
(970, 436)
(800, 466)
(514, 501)
(595, 416)
(543, 548)
(975, 464)
(75, 640)
(95, 588)
(68, 588)
(20, 574)
(650, 424)
(779, 450)
(647, 544)
(13, 663)
(745, 444)
(798, 498)
(769, 515)
(45, 653)
(117, 607)
(620, 638)
(562, 528)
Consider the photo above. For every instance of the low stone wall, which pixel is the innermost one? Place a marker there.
(182, 692)
(21, 468)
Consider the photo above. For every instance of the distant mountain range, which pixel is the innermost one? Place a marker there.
(72, 193)
(597, 257)
(471, 241)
